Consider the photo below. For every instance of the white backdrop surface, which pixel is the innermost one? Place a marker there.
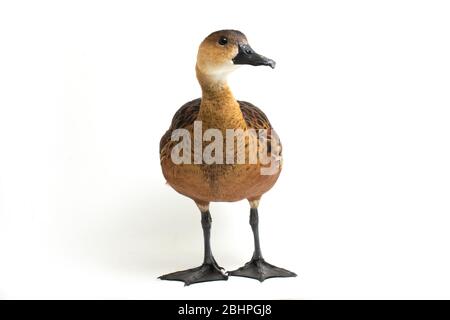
(360, 98)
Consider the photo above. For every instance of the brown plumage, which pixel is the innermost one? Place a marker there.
(188, 113)
(217, 182)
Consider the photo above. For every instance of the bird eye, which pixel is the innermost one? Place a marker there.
(223, 41)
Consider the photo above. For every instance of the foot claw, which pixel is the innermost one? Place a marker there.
(260, 270)
(206, 272)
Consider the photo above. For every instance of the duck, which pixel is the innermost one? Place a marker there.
(221, 177)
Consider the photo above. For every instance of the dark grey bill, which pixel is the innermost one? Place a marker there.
(246, 55)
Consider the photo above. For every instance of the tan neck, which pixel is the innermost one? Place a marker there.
(218, 109)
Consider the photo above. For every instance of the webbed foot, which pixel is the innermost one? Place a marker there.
(206, 272)
(261, 270)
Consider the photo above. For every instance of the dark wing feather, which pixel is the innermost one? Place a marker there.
(253, 116)
(256, 119)
(184, 117)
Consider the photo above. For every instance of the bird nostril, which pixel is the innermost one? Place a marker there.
(248, 51)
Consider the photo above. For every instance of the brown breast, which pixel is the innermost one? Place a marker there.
(218, 182)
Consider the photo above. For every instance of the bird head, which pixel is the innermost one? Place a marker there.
(223, 51)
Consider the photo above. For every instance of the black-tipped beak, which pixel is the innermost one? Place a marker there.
(246, 55)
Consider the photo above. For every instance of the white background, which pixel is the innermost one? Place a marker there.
(360, 98)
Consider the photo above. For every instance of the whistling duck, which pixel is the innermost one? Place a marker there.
(219, 54)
